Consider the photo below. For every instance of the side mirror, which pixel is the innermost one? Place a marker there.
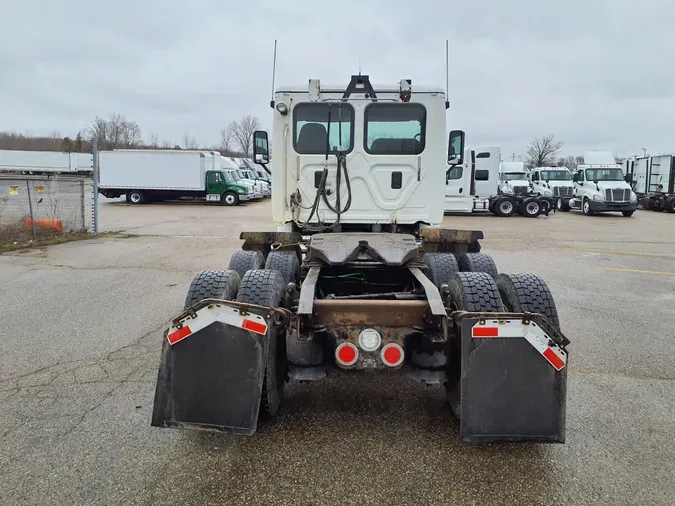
(456, 147)
(261, 152)
(628, 178)
(595, 181)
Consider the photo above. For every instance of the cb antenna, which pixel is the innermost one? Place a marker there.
(274, 72)
(447, 74)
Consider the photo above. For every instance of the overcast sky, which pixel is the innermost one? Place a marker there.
(596, 73)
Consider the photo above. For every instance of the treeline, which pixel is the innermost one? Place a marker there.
(543, 152)
(118, 132)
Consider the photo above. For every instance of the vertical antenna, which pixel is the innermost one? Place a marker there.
(274, 72)
(359, 63)
(447, 74)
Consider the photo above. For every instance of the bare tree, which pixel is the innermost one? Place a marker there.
(166, 144)
(189, 141)
(153, 140)
(115, 132)
(542, 151)
(226, 139)
(241, 133)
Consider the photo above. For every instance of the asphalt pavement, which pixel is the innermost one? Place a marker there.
(82, 330)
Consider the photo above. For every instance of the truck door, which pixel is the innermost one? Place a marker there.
(215, 185)
(458, 198)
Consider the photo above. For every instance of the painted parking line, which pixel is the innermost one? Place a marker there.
(660, 273)
(613, 252)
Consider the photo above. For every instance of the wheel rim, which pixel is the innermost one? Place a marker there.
(587, 206)
(229, 199)
(135, 198)
(559, 204)
(506, 207)
(532, 208)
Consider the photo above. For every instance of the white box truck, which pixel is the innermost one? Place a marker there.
(145, 175)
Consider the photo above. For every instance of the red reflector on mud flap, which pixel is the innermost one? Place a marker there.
(258, 328)
(479, 331)
(179, 334)
(553, 359)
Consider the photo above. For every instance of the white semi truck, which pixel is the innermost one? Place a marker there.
(554, 182)
(360, 277)
(478, 185)
(653, 180)
(145, 176)
(600, 186)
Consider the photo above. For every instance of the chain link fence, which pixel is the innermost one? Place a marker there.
(36, 207)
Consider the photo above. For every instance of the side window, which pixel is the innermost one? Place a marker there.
(395, 129)
(214, 177)
(580, 176)
(482, 175)
(454, 173)
(484, 154)
(535, 176)
(317, 126)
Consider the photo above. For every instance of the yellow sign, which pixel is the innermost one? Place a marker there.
(39, 189)
(13, 190)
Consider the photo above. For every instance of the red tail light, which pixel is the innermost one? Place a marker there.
(346, 354)
(392, 355)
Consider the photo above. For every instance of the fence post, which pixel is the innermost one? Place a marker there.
(84, 220)
(94, 221)
(30, 208)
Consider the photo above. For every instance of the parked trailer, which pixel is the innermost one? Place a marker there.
(145, 176)
(45, 162)
(653, 180)
(478, 185)
(362, 278)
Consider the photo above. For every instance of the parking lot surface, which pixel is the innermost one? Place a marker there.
(82, 330)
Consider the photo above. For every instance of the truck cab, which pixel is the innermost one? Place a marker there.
(600, 186)
(555, 182)
(513, 178)
(222, 187)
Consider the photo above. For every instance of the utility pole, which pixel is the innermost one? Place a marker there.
(514, 157)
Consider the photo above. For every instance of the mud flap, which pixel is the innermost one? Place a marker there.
(211, 380)
(509, 389)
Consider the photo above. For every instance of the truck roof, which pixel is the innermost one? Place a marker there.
(599, 158)
(340, 88)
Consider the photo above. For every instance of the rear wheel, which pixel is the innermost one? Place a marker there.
(670, 205)
(530, 207)
(477, 262)
(286, 263)
(505, 207)
(441, 267)
(230, 198)
(266, 288)
(246, 260)
(212, 284)
(562, 205)
(527, 293)
(135, 197)
(474, 292)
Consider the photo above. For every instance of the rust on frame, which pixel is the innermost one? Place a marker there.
(370, 313)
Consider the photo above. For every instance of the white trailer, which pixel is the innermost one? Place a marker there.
(145, 175)
(653, 180)
(45, 162)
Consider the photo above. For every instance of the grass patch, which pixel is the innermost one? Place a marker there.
(26, 241)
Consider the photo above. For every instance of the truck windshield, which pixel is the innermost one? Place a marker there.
(604, 175)
(251, 174)
(234, 175)
(241, 174)
(227, 177)
(555, 175)
(514, 176)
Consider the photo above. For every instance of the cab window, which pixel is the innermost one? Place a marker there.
(454, 173)
(320, 126)
(395, 129)
(214, 177)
